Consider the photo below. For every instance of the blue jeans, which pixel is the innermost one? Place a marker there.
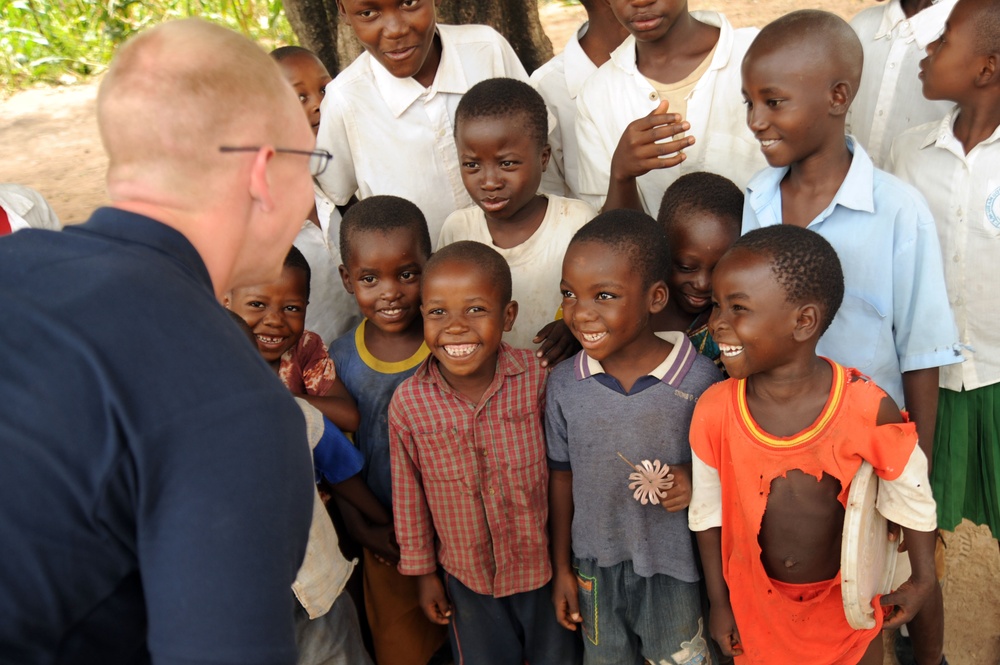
(628, 619)
(512, 630)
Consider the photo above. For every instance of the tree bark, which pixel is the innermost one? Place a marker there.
(316, 24)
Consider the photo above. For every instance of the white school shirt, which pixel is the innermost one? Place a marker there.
(535, 264)
(332, 311)
(890, 99)
(559, 81)
(618, 93)
(26, 208)
(391, 135)
(963, 192)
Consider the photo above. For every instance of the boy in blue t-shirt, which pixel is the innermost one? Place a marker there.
(384, 243)
(630, 392)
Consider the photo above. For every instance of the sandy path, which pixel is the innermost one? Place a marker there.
(51, 143)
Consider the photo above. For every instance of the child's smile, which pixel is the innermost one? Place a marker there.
(275, 312)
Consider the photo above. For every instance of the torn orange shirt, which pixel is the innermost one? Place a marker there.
(779, 623)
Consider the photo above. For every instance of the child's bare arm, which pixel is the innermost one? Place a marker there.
(920, 392)
(639, 153)
(916, 592)
(433, 600)
(564, 591)
(356, 493)
(377, 537)
(338, 406)
(721, 622)
(679, 496)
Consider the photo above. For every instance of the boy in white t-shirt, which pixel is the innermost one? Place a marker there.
(500, 129)
(559, 81)
(389, 115)
(664, 105)
(894, 35)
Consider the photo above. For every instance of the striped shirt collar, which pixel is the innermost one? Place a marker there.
(671, 371)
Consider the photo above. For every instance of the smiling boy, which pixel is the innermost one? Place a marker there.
(468, 470)
(776, 448)
(407, 83)
(500, 130)
(625, 570)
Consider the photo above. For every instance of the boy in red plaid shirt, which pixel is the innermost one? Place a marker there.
(469, 472)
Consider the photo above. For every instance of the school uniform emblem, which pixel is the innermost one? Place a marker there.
(993, 208)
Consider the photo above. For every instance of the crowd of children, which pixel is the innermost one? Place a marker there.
(544, 439)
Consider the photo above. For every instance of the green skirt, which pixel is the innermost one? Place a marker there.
(966, 472)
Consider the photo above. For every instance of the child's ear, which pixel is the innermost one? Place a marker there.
(841, 94)
(345, 277)
(509, 315)
(807, 323)
(659, 295)
(988, 69)
(340, 8)
(546, 155)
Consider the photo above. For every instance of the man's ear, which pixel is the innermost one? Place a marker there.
(340, 8)
(509, 315)
(807, 322)
(841, 95)
(345, 277)
(227, 300)
(260, 186)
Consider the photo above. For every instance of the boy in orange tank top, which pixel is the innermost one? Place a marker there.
(775, 450)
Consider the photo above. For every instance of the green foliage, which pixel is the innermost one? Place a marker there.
(62, 41)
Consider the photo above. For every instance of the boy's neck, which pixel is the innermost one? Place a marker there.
(810, 184)
(672, 317)
(473, 386)
(604, 34)
(788, 399)
(913, 7)
(674, 56)
(393, 347)
(428, 71)
(976, 122)
(520, 226)
(638, 358)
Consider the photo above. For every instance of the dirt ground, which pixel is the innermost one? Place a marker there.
(51, 143)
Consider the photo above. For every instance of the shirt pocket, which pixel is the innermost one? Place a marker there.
(526, 469)
(854, 337)
(444, 456)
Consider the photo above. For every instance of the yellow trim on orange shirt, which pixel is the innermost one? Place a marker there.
(814, 430)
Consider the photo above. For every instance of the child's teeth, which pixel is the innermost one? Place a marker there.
(459, 350)
(729, 350)
(593, 337)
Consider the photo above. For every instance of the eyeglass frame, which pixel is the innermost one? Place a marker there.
(323, 155)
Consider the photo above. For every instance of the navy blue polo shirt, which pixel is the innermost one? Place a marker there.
(155, 482)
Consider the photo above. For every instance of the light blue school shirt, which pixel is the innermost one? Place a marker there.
(895, 316)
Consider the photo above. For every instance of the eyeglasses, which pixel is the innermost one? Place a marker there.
(318, 159)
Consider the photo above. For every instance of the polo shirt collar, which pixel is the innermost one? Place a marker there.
(626, 57)
(671, 371)
(925, 26)
(133, 228)
(856, 192)
(399, 94)
(577, 66)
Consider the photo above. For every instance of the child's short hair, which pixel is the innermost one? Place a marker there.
(295, 259)
(804, 263)
(831, 35)
(382, 213)
(506, 98)
(705, 192)
(987, 19)
(283, 52)
(477, 256)
(635, 237)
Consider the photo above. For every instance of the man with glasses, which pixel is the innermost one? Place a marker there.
(155, 489)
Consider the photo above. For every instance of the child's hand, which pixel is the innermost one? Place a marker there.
(907, 599)
(557, 343)
(679, 496)
(565, 600)
(722, 626)
(433, 601)
(380, 540)
(638, 153)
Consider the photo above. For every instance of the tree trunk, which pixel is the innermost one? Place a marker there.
(316, 24)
